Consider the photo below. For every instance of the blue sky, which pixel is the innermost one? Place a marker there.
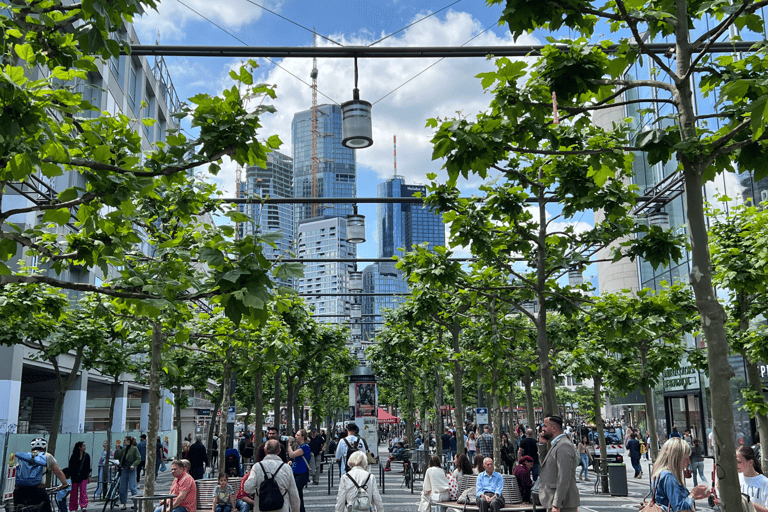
(447, 89)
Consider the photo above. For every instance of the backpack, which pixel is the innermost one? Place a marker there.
(270, 497)
(351, 448)
(232, 462)
(31, 468)
(361, 502)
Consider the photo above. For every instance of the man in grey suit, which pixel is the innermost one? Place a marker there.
(557, 480)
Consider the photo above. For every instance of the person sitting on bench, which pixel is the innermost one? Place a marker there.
(398, 453)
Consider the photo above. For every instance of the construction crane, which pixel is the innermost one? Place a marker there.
(314, 126)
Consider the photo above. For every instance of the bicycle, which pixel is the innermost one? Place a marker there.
(113, 490)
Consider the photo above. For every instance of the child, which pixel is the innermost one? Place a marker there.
(61, 496)
(223, 496)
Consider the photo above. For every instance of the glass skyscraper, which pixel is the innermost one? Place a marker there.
(336, 167)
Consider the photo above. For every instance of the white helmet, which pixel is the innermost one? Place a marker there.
(39, 443)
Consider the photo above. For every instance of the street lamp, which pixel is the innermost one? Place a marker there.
(356, 131)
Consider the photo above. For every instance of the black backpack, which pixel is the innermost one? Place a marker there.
(351, 448)
(270, 497)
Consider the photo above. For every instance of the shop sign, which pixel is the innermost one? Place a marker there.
(679, 379)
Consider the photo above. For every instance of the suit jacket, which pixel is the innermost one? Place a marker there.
(557, 478)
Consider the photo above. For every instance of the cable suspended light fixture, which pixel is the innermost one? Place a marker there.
(355, 227)
(356, 130)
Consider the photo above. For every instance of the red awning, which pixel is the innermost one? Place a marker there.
(385, 417)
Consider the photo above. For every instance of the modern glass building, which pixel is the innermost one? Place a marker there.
(276, 180)
(336, 166)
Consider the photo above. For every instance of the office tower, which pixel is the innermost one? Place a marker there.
(336, 165)
(274, 181)
(325, 238)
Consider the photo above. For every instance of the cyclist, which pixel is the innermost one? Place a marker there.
(36, 495)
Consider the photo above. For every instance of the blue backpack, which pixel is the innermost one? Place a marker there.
(31, 468)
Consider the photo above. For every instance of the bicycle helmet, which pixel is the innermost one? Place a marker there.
(39, 443)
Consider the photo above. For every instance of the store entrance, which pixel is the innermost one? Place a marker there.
(684, 412)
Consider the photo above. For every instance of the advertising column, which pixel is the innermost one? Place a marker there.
(363, 405)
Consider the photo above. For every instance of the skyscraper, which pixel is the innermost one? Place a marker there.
(276, 180)
(336, 166)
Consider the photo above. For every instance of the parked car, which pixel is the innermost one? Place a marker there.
(614, 446)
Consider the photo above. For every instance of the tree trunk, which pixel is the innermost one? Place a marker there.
(548, 392)
(496, 408)
(289, 404)
(458, 377)
(110, 418)
(650, 414)
(527, 378)
(153, 419)
(277, 399)
(258, 404)
(224, 442)
(215, 414)
(60, 394)
(177, 413)
(510, 417)
(410, 416)
(439, 427)
(596, 400)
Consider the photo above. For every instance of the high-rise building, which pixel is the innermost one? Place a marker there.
(325, 238)
(400, 226)
(336, 165)
(274, 181)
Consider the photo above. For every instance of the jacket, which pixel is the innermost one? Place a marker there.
(131, 458)
(284, 479)
(557, 479)
(348, 491)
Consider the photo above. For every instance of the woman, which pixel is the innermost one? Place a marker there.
(507, 454)
(668, 481)
(80, 472)
(435, 487)
(185, 450)
(697, 462)
(753, 482)
(102, 467)
(128, 457)
(477, 464)
(300, 465)
(471, 445)
(357, 476)
(523, 475)
(462, 467)
(585, 457)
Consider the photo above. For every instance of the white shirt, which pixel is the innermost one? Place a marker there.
(348, 491)
(756, 487)
(435, 482)
(341, 450)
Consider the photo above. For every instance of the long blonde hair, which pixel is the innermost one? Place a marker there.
(671, 458)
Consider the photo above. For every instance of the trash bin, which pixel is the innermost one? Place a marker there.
(617, 479)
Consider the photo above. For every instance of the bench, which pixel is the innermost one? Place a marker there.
(205, 488)
(513, 500)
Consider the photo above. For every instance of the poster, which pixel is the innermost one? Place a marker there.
(365, 399)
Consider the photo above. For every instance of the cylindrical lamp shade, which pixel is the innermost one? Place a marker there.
(355, 229)
(660, 219)
(355, 281)
(575, 277)
(356, 130)
(356, 330)
(356, 312)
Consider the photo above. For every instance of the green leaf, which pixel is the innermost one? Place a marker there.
(8, 249)
(25, 51)
(60, 216)
(4, 270)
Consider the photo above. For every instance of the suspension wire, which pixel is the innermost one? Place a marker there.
(295, 23)
(415, 22)
(430, 66)
(246, 44)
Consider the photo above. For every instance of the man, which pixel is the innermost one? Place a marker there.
(273, 465)
(198, 458)
(35, 494)
(399, 453)
(244, 501)
(557, 488)
(446, 439)
(489, 487)
(528, 446)
(183, 487)
(245, 447)
(674, 433)
(633, 445)
(316, 444)
(349, 443)
(142, 446)
(272, 434)
(485, 442)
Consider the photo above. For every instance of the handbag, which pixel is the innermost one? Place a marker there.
(162, 466)
(467, 496)
(372, 458)
(651, 506)
(688, 473)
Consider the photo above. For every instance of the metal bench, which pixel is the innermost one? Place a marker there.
(513, 500)
(205, 488)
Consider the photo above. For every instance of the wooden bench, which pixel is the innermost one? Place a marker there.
(513, 500)
(205, 488)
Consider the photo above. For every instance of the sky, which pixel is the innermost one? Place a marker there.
(404, 92)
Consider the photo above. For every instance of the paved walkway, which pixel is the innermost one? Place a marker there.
(397, 498)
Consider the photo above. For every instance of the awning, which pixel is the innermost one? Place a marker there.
(385, 417)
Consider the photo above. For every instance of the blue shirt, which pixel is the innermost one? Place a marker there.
(299, 466)
(493, 483)
(670, 493)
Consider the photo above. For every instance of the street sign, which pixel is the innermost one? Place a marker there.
(481, 416)
(231, 415)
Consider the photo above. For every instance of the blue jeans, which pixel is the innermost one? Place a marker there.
(242, 506)
(535, 472)
(127, 482)
(698, 466)
(585, 465)
(223, 507)
(636, 465)
(302, 479)
(177, 509)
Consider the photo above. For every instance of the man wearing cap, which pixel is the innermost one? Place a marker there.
(35, 495)
(348, 443)
(316, 444)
